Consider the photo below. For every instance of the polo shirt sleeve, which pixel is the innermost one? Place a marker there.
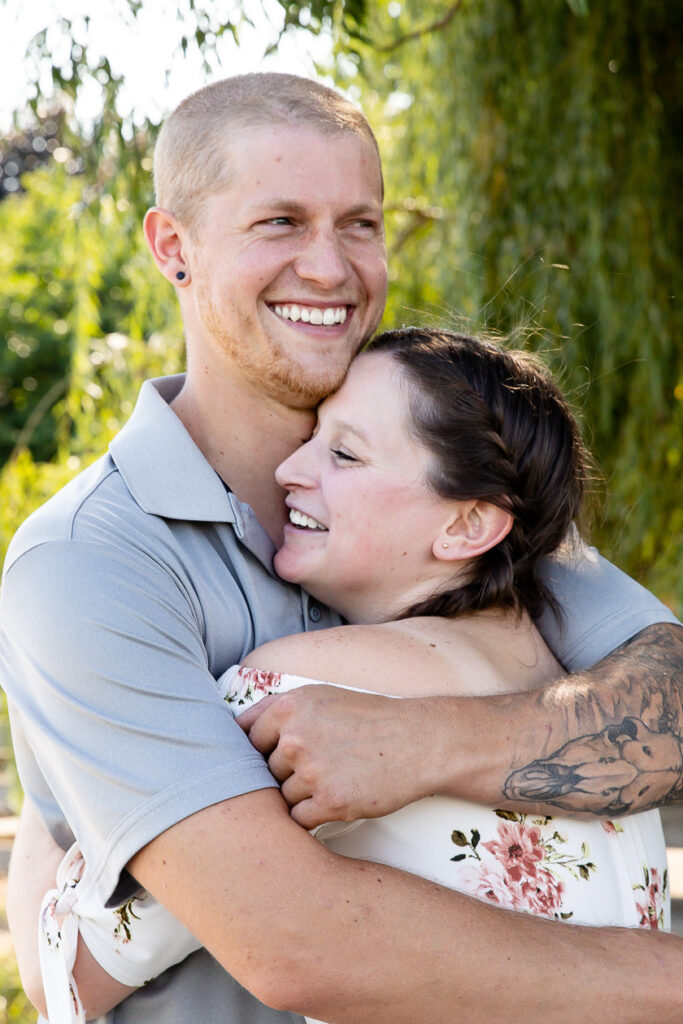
(102, 655)
(601, 607)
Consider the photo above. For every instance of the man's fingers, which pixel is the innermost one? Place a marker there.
(280, 765)
(247, 718)
(293, 789)
(307, 813)
(264, 733)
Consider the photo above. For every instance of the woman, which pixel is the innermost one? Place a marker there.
(438, 477)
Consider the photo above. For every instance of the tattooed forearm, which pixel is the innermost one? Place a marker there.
(624, 723)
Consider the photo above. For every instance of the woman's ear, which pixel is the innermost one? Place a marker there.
(164, 238)
(475, 527)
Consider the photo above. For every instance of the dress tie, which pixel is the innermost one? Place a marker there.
(58, 942)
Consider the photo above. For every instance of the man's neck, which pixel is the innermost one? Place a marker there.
(244, 437)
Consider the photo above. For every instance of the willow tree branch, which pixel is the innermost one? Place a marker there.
(419, 219)
(434, 27)
(37, 415)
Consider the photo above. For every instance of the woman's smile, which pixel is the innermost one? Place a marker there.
(301, 521)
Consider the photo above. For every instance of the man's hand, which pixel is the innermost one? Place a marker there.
(342, 754)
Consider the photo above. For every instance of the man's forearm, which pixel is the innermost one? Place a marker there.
(351, 941)
(606, 742)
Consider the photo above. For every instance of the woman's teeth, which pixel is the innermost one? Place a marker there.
(301, 519)
(313, 314)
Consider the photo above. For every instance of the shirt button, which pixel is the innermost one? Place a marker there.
(314, 613)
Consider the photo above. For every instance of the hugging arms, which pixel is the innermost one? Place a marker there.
(605, 740)
(558, 959)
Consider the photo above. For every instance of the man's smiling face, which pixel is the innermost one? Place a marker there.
(289, 263)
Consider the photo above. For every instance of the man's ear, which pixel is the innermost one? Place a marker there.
(474, 527)
(164, 238)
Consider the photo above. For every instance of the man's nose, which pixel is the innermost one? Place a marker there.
(323, 260)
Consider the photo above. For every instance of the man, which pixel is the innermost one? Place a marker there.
(132, 590)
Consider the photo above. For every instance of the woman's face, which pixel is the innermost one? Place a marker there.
(363, 521)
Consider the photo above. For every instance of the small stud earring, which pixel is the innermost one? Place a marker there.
(444, 544)
(180, 275)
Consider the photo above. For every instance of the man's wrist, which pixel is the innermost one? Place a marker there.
(459, 737)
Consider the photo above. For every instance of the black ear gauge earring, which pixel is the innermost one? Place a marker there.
(180, 276)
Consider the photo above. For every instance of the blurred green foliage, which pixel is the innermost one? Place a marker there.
(73, 267)
(14, 1005)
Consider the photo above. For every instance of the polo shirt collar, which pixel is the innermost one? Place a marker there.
(163, 468)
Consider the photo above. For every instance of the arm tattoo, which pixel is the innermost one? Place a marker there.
(624, 720)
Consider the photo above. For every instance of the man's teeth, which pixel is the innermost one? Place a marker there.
(301, 519)
(313, 314)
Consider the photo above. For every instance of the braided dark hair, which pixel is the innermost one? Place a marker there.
(499, 430)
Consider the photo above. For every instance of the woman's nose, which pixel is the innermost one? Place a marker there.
(298, 469)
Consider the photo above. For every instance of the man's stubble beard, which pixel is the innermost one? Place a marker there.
(274, 373)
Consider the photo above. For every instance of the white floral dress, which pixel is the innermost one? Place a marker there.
(597, 872)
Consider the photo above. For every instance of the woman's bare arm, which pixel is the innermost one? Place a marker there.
(33, 867)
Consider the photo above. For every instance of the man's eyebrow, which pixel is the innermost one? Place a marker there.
(363, 209)
(283, 205)
(279, 203)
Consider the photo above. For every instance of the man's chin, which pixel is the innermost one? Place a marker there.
(300, 388)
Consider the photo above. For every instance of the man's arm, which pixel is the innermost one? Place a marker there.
(605, 742)
(350, 941)
(618, 744)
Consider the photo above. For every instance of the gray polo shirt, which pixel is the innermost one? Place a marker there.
(124, 598)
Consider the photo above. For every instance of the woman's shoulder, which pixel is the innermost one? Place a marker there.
(356, 656)
(417, 657)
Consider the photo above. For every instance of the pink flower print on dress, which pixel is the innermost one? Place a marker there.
(544, 896)
(612, 828)
(251, 681)
(518, 848)
(521, 865)
(260, 680)
(489, 881)
(650, 906)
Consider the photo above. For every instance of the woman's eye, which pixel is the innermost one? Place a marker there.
(342, 456)
(279, 221)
